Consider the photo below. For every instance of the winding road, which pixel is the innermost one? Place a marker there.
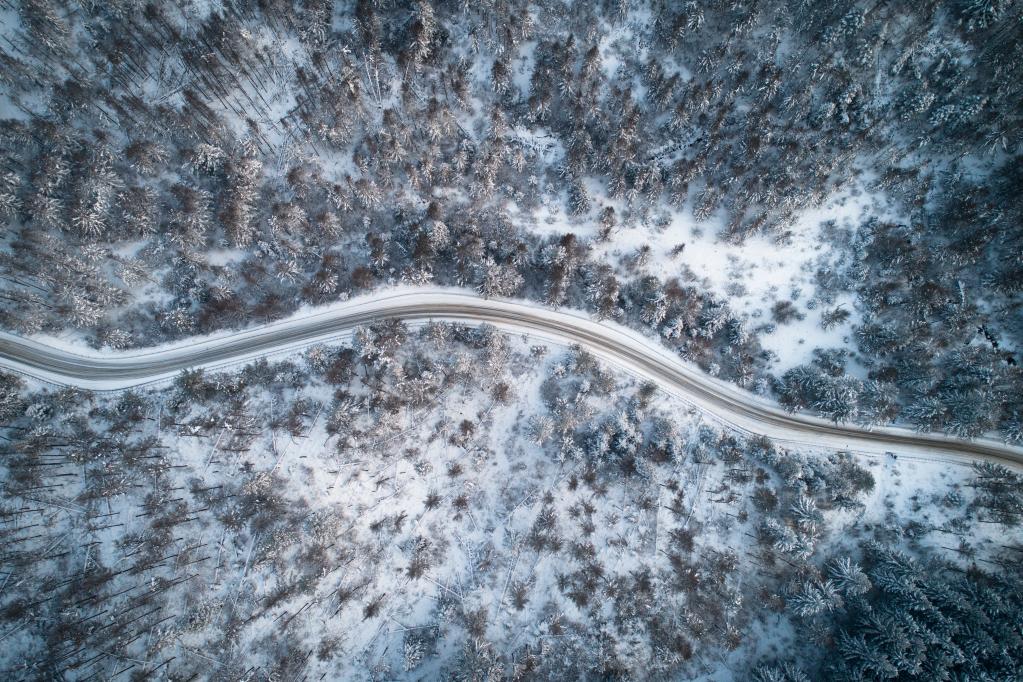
(614, 344)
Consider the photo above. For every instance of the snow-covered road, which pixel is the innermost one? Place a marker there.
(614, 344)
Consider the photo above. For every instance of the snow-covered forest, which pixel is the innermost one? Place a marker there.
(817, 201)
(172, 168)
(450, 503)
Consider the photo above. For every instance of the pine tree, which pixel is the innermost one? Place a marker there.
(848, 577)
(578, 197)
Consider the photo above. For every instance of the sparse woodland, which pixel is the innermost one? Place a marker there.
(382, 510)
(447, 502)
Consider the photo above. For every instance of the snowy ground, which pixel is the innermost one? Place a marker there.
(750, 277)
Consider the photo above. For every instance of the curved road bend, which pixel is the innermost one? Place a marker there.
(612, 343)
